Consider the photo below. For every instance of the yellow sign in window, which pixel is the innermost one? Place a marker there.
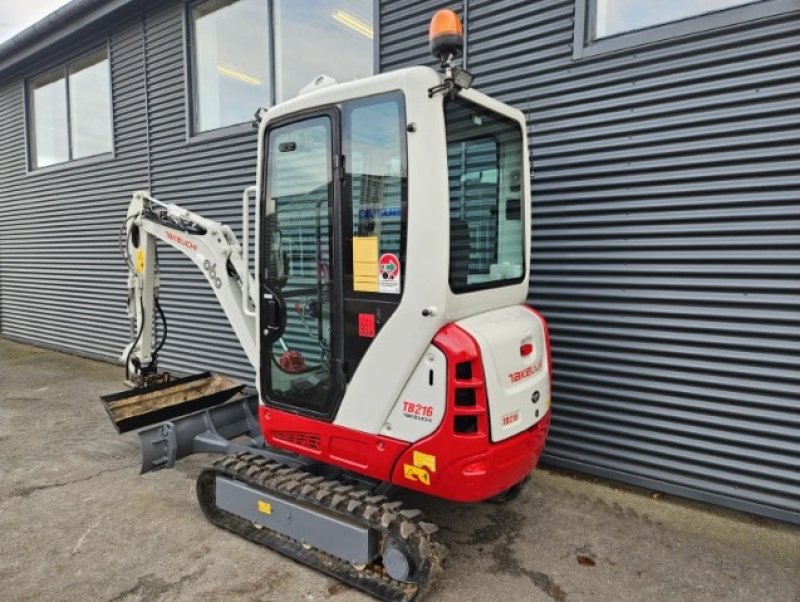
(365, 264)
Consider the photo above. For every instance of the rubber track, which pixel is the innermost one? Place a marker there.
(386, 517)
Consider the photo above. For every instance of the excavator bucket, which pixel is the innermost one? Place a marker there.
(146, 406)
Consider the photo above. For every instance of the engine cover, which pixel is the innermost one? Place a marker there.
(514, 349)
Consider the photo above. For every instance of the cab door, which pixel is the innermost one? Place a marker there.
(300, 301)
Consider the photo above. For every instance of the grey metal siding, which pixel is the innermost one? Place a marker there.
(62, 280)
(206, 176)
(666, 240)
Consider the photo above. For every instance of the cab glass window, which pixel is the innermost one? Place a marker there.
(375, 193)
(484, 158)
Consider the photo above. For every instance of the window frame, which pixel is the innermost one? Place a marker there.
(195, 136)
(585, 45)
(29, 108)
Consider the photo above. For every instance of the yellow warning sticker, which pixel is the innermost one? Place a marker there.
(365, 264)
(423, 466)
(424, 461)
(264, 507)
(140, 260)
(413, 473)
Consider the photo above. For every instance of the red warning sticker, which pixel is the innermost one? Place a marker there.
(366, 325)
(389, 274)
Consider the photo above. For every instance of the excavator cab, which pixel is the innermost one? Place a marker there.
(397, 205)
(393, 210)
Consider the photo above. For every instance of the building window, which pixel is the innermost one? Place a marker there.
(70, 111)
(618, 16)
(234, 72)
(313, 38)
(603, 26)
(231, 61)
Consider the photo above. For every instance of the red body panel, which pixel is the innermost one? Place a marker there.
(370, 455)
(468, 467)
(458, 462)
(475, 471)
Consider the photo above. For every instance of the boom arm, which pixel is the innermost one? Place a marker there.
(212, 247)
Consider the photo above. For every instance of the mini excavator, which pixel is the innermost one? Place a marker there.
(385, 321)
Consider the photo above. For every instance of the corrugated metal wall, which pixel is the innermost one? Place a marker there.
(207, 177)
(62, 279)
(665, 244)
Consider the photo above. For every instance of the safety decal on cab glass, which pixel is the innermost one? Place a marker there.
(365, 264)
(421, 467)
(389, 274)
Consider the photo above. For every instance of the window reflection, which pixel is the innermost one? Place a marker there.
(231, 61)
(313, 38)
(49, 108)
(90, 106)
(618, 16)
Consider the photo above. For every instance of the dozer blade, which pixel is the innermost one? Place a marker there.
(146, 406)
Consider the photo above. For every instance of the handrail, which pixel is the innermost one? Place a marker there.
(250, 190)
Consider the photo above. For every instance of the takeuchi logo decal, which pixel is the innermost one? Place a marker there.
(519, 375)
(181, 241)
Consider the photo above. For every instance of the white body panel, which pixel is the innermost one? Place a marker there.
(420, 408)
(518, 387)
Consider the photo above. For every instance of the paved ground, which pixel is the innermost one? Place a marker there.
(78, 523)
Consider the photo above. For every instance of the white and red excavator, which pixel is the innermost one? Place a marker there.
(386, 323)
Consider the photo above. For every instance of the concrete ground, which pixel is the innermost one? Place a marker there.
(77, 522)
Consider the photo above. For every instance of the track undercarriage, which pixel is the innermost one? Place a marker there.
(326, 519)
(396, 554)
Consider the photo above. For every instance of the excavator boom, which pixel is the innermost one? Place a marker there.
(211, 246)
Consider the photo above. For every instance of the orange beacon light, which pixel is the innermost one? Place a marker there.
(445, 35)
